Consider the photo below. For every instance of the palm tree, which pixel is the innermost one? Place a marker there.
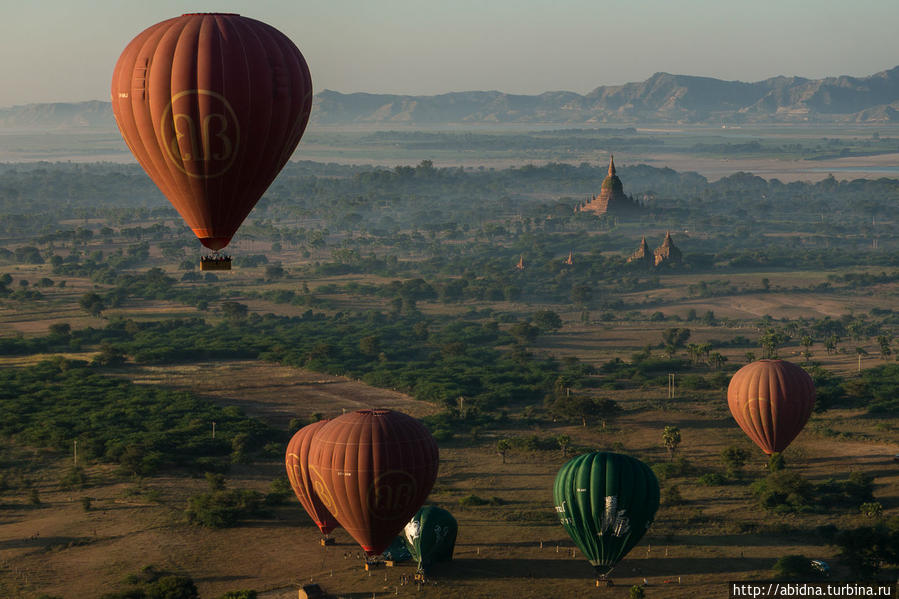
(671, 439)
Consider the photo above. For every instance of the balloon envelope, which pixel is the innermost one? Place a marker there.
(212, 106)
(298, 474)
(373, 469)
(397, 551)
(431, 536)
(606, 502)
(771, 400)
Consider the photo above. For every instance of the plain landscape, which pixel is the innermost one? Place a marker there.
(440, 266)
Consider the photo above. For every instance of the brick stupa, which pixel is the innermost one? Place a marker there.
(611, 198)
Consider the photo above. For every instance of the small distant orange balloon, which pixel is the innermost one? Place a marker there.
(771, 400)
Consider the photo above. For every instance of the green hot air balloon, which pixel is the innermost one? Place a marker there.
(398, 551)
(606, 502)
(431, 536)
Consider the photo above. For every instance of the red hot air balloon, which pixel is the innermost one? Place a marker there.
(373, 469)
(212, 106)
(298, 474)
(771, 400)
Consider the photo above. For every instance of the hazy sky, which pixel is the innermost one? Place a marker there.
(64, 50)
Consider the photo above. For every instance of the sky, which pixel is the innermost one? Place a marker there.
(65, 50)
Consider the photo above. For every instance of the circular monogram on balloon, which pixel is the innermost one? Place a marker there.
(318, 485)
(200, 132)
(392, 494)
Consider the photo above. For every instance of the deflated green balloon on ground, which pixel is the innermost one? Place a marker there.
(606, 502)
(397, 552)
(431, 536)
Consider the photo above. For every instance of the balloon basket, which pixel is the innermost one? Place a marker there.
(390, 563)
(373, 565)
(215, 262)
(328, 541)
(604, 583)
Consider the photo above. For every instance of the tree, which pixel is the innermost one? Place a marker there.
(502, 446)
(884, 342)
(564, 442)
(581, 294)
(865, 549)
(547, 321)
(717, 360)
(734, 458)
(92, 304)
(370, 345)
(776, 462)
(770, 340)
(794, 567)
(60, 329)
(274, 271)
(671, 438)
(584, 408)
(673, 339)
(234, 310)
(525, 333)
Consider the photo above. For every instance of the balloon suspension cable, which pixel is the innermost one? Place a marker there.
(603, 574)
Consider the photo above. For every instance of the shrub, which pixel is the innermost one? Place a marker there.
(671, 496)
(712, 479)
(785, 491)
(474, 500)
(222, 509)
(74, 478)
(794, 567)
(278, 492)
(666, 470)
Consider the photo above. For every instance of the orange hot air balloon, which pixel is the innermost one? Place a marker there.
(298, 474)
(373, 469)
(771, 400)
(212, 106)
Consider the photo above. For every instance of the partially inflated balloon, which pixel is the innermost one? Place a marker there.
(397, 551)
(771, 400)
(606, 502)
(373, 469)
(298, 474)
(212, 106)
(431, 536)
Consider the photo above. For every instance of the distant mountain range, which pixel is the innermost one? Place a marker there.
(663, 98)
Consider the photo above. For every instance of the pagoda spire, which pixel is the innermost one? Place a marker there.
(611, 165)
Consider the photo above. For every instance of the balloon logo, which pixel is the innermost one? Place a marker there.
(391, 492)
(206, 149)
(322, 492)
(771, 400)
